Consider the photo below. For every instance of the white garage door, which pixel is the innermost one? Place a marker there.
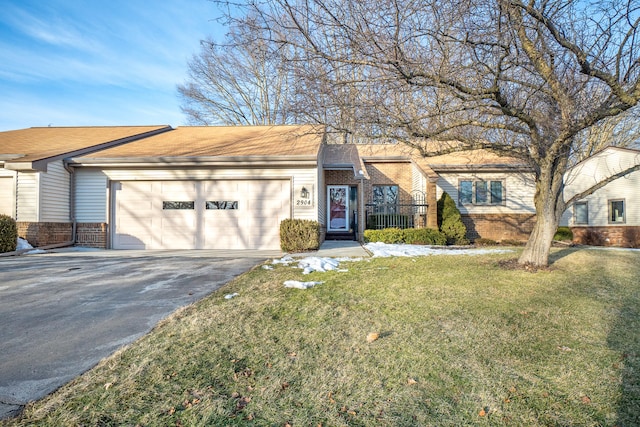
(200, 214)
(7, 196)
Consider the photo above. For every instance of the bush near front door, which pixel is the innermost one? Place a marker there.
(8, 234)
(299, 235)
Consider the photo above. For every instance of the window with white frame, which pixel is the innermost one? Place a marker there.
(481, 192)
(616, 211)
(581, 213)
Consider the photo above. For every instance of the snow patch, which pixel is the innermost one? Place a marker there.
(321, 265)
(379, 249)
(23, 244)
(300, 285)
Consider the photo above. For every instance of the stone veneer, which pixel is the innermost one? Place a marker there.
(619, 235)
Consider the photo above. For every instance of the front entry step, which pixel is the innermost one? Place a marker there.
(340, 236)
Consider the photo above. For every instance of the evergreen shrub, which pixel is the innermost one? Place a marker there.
(299, 235)
(450, 221)
(8, 234)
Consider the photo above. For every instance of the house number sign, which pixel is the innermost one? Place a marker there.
(303, 196)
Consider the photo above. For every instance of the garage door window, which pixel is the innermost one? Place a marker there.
(178, 205)
(222, 205)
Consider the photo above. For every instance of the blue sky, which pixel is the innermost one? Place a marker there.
(96, 62)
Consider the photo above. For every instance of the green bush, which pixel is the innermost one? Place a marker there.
(415, 236)
(424, 236)
(513, 242)
(482, 241)
(8, 234)
(299, 235)
(386, 235)
(382, 221)
(563, 233)
(450, 221)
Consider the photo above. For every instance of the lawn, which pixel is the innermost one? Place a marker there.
(462, 340)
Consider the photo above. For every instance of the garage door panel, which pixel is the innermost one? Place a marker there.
(260, 207)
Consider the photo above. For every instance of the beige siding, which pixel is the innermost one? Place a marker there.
(28, 196)
(7, 193)
(90, 196)
(519, 189)
(92, 193)
(54, 194)
(309, 179)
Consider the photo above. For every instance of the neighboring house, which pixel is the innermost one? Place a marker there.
(35, 185)
(611, 215)
(230, 187)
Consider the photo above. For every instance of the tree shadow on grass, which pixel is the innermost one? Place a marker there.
(555, 256)
(624, 338)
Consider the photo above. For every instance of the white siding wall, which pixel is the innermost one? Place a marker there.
(418, 180)
(627, 188)
(92, 194)
(28, 196)
(54, 193)
(519, 189)
(7, 193)
(593, 170)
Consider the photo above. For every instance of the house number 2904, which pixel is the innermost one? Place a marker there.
(304, 202)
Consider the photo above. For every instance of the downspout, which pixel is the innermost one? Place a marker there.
(72, 203)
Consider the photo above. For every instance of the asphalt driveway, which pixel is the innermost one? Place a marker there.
(60, 314)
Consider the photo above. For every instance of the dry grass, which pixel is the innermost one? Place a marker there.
(461, 341)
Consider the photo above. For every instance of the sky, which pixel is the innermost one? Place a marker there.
(97, 62)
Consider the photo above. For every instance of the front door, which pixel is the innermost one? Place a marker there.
(338, 208)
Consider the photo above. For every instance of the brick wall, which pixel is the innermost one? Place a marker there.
(44, 233)
(620, 236)
(91, 235)
(389, 174)
(499, 227)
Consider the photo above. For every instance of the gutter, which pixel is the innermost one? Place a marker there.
(237, 161)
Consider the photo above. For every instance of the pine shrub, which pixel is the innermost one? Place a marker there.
(450, 221)
(8, 234)
(299, 235)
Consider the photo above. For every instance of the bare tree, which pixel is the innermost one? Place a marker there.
(620, 131)
(241, 81)
(522, 78)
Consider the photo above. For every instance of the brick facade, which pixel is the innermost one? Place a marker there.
(499, 227)
(620, 236)
(92, 235)
(40, 234)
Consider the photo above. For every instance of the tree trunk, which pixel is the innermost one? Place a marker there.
(550, 206)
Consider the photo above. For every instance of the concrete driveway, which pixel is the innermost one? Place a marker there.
(61, 313)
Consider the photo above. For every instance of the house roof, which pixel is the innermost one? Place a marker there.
(215, 144)
(33, 148)
(354, 154)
